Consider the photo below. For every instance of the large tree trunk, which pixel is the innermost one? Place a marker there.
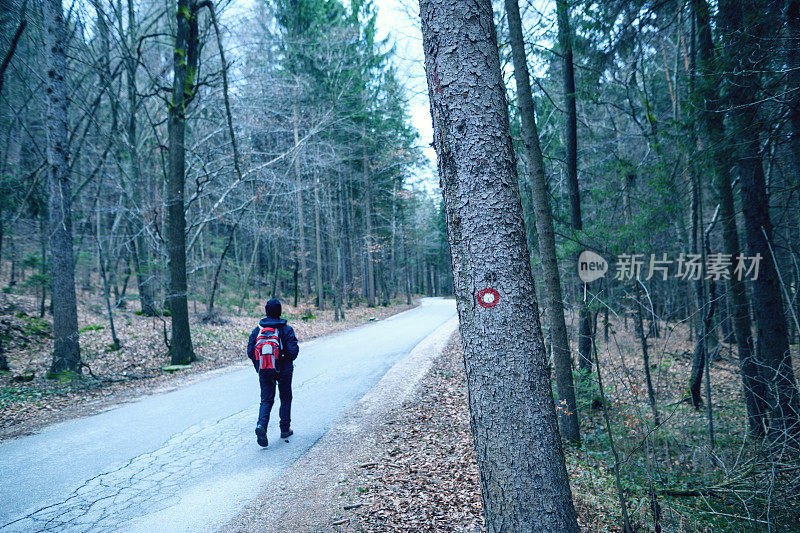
(755, 393)
(745, 55)
(571, 141)
(523, 477)
(183, 89)
(562, 357)
(66, 349)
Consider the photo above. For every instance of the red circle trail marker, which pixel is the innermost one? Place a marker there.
(488, 297)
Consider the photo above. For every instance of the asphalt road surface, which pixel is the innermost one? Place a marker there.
(187, 460)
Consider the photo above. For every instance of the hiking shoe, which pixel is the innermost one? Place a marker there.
(286, 434)
(261, 436)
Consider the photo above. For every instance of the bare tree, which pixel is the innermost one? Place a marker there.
(184, 87)
(66, 349)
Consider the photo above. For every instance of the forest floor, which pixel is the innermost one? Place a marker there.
(423, 475)
(28, 400)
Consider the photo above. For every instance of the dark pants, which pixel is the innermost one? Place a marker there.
(267, 379)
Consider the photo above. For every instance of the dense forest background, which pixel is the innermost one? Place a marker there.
(186, 160)
(301, 173)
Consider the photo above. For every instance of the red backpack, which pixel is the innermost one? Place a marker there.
(268, 348)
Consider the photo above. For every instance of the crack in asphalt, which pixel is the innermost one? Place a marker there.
(145, 484)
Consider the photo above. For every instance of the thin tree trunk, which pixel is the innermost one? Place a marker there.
(276, 265)
(626, 523)
(392, 246)
(571, 141)
(335, 244)
(183, 90)
(406, 266)
(701, 303)
(295, 283)
(318, 241)
(793, 78)
(562, 357)
(144, 274)
(707, 328)
(370, 266)
(234, 146)
(346, 246)
(215, 279)
(10, 52)
(115, 344)
(523, 476)
(793, 87)
(637, 316)
(66, 348)
(301, 232)
(43, 271)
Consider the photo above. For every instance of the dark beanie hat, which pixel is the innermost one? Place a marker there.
(273, 308)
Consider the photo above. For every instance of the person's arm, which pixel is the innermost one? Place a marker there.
(251, 347)
(290, 347)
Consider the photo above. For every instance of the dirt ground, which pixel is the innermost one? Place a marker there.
(29, 400)
(425, 477)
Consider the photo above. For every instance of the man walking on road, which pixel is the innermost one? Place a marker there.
(273, 348)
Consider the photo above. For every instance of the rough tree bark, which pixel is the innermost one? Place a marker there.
(742, 24)
(523, 477)
(183, 91)
(562, 357)
(66, 349)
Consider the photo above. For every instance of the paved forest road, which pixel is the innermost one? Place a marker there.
(187, 460)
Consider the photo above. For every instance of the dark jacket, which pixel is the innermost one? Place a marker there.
(289, 348)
